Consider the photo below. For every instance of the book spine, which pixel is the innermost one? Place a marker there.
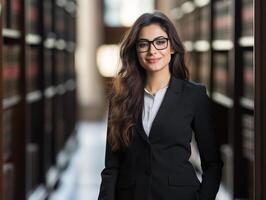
(220, 73)
(248, 82)
(7, 135)
(15, 14)
(32, 16)
(8, 181)
(32, 166)
(247, 18)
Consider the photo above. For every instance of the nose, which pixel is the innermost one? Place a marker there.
(152, 49)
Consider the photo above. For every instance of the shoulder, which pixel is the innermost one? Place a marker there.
(194, 88)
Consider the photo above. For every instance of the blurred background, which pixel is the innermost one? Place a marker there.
(58, 58)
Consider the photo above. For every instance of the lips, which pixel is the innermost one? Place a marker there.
(153, 60)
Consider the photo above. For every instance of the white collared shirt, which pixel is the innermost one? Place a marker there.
(152, 104)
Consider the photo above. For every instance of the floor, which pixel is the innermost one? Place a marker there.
(81, 180)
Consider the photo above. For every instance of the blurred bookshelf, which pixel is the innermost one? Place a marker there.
(219, 39)
(38, 95)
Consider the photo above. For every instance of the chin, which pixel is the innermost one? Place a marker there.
(155, 67)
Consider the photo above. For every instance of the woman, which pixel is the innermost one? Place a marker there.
(153, 110)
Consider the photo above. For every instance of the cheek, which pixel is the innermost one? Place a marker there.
(141, 59)
(167, 56)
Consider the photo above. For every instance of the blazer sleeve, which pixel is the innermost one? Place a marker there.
(109, 173)
(211, 163)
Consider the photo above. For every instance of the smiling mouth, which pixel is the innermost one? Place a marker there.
(153, 60)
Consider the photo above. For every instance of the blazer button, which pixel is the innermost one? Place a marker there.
(148, 172)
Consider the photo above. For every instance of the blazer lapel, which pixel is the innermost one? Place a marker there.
(169, 101)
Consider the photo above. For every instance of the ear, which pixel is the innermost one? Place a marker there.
(172, 51)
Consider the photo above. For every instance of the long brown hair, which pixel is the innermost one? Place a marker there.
(126, 99)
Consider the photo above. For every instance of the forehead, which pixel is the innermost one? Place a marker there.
(151, 31)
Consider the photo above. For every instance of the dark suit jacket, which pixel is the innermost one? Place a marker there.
(157, 167)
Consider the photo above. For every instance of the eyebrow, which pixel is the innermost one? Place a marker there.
(144, 39)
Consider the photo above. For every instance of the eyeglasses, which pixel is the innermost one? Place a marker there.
(159, 43)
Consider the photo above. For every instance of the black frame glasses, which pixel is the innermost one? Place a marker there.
(153, 42)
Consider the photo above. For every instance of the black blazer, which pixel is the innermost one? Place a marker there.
(157, 167)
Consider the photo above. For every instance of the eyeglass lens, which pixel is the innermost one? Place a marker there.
(159, 44)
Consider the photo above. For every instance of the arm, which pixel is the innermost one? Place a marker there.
(211, 162)
(109, 173)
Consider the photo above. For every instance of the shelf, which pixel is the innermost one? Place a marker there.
(189, 45)
(61, 3)
(187, 7)
(11, 34)
(202, 45)
(11, 101)
(222, 45)
(49, 92)
(52, 177)
(62, 159)
(222, 99)
(38, 49)
(60, 89)
(70, 7)
(246, 41)
(60, 44)
(247, 103)
(34, 96)
(49, 43)
(40, 193)
(201, 3)
(70, 85)
(33, 39)
(177, 13)
(70, 47)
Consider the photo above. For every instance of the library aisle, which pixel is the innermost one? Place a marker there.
(57, 62)
(81, 180)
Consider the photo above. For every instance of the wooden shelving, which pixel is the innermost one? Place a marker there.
(38, 96)
(218, 37)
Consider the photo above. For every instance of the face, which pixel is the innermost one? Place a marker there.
(154, 56)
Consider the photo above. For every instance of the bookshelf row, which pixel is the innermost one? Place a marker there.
(218, 36)
(38, 95)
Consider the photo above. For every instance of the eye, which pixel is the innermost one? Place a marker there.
(160, 42)
(143, 44)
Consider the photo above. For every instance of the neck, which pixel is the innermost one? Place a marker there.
(157, 81)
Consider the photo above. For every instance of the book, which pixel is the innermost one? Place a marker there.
(247, 16)
(248, 151)
(186, 27)
(32, 16)
(48, 67)
(191, 65)
(4, 13)
(32, 167)
(220, 62)
(32, 68)
(70, 64)
(11, 70)
(223, 20)
(15, 14)
(70, 33)
(248, 75)
(204, 68)
(203, 23)
(8, 181)
(60, 26)
(48, 143)
(60, 67)
(248, 137)
(7, 137)
(48, 17)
